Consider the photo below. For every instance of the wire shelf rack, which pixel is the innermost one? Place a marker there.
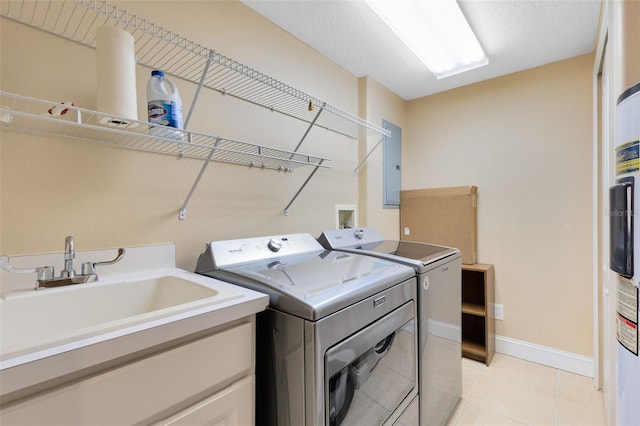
(160, 48)
(33, 115)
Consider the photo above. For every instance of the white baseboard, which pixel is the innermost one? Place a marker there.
(556, 358)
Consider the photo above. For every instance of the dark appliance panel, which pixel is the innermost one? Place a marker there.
(621, 227)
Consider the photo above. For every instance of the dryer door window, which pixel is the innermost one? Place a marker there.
(368, 375)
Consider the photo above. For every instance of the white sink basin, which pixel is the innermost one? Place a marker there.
(39, 320)
(143, 303)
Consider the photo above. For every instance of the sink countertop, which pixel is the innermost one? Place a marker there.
(27, 369)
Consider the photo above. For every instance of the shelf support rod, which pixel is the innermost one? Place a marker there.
(367, 156)
(183, 210)
(286, 209)
(313, 122)
(199, 88)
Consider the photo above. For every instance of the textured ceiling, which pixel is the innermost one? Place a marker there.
(515, 34)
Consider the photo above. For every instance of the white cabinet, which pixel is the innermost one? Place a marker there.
(205, 381)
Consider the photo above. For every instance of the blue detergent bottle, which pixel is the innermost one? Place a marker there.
(164, 107)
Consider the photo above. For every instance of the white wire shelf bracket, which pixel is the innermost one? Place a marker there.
(31, 115)
(159, 48)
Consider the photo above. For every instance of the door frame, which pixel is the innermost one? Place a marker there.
(600, 158)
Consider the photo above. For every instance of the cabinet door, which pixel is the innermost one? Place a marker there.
(233, 406)
(144, 390)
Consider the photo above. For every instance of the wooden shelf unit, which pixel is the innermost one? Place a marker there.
(478, 323)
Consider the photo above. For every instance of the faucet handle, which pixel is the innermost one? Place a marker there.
(44, 272)
(89, 268)
(69, 247)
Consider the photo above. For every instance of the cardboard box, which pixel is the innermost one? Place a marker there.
(446, 216)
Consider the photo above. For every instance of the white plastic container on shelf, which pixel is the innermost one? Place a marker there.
(164, 107)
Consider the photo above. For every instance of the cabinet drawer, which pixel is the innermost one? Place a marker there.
(232, 406)
(145, 389)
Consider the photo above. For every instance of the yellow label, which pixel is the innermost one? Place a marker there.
(628, 158)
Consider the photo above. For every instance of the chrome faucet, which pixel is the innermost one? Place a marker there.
(69, 255)
(45, 274)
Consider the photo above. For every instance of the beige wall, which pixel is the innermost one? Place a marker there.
(515, 137)
(108, 197)
(525, 141)
(376, 104)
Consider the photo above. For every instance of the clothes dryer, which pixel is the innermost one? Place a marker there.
(438, 271)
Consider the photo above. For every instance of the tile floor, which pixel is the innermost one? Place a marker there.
(512, 391)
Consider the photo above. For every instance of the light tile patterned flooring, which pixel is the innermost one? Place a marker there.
(512, 391)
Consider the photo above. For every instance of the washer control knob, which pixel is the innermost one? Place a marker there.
(358, 234)
(275, 244)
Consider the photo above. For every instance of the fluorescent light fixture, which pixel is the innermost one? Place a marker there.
(436, 31)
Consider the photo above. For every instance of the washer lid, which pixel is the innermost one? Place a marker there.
(369, 241)
(415, 254)
(314, 285)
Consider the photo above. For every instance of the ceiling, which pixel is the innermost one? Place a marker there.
(516, 35)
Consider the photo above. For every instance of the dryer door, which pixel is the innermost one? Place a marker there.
(369, 374)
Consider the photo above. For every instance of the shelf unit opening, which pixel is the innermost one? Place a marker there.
(473, 294)
(473, 337)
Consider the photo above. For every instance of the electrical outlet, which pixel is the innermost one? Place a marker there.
(498, 311)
